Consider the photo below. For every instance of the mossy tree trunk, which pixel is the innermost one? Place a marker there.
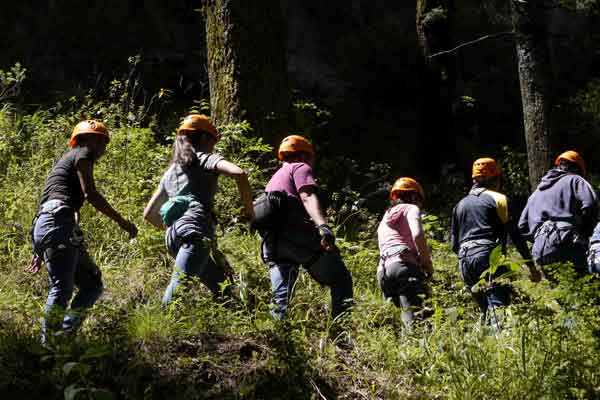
(247, 65)
(531, 36)
(437, 83)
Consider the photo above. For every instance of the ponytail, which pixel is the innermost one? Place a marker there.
(184, 153)
(186, 147)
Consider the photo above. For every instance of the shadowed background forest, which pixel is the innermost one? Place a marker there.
(358, 61)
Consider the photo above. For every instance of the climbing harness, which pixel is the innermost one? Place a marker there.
(55, 207)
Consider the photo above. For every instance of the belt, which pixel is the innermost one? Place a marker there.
(393, 251)
(399, 250)
(550, 226)
(52, 207)
(474, 244)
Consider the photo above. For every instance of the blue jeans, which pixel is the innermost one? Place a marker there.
(472, 263)
(328, 269)
(69, 265)
(594, 258)
(192, 259)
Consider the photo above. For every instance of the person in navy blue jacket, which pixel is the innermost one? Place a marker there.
(561, 214)
(481, 222)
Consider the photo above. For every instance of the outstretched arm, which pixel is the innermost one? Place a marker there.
(521, 245)
(241, 177)
(313, 208)
(589, 206)
(312, 204)
(418, 235)
(85, 172)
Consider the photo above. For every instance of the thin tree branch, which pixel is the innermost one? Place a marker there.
(317, 389)
(481, 39)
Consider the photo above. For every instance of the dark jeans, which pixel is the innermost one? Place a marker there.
(574, 253)
(69, 265)
(192, 259)
(473, 262)
(328, 269)
(559, 242)
(402, 279)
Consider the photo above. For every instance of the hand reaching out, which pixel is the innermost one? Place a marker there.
(34, 265)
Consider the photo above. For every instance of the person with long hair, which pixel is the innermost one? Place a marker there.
(56, 237)
(405, 261)
(189, 185)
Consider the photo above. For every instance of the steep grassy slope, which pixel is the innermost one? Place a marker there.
(131, 348)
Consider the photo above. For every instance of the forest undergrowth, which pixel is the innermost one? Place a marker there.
(132, 348)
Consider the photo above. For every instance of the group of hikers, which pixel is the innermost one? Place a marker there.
(559, 219)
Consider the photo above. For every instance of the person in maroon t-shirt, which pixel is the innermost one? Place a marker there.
(302, 236)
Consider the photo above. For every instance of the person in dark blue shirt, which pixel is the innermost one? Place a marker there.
(480, 223)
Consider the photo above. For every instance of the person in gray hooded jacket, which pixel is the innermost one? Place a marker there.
(561, 214)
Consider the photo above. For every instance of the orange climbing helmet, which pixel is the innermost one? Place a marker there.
(88, 126)
(486, 168)
(295, 143)
(198, 123)
(574, 157)
(406, 185)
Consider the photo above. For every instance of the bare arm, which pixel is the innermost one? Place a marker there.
(418, 235)
(313, 208)
(241, 177)
(85, 172)
(521, 245)
(312, 205)
(151, 214)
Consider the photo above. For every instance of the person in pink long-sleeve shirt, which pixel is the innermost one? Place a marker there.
(405, 261)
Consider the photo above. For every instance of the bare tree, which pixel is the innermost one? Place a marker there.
(531, 38)
(247, 65)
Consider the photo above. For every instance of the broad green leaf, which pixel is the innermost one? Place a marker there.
(72, 391)
(68, 367)
(496, 258)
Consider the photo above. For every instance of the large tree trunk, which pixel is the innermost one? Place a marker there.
(437, 83)
(247, 66)
(529, 21)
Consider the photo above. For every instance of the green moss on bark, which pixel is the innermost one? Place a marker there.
(247, 65)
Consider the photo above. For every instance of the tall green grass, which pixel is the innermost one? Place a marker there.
(130, 347)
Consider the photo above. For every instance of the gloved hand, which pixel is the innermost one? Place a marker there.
(327, 237)
(535, 274)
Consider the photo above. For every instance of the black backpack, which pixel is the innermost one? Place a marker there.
(270, 211)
